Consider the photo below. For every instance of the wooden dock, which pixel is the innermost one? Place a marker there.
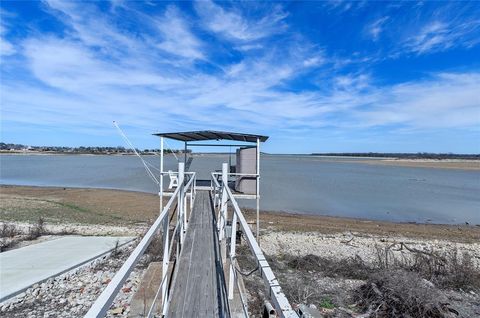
(199, 285)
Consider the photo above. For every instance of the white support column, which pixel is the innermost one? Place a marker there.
(258, 192)
(191, 201)
(181, 201)
(165, 264)
(233, 242)
(165, 230)
(161, 174)
(185, 215)
(223, 207)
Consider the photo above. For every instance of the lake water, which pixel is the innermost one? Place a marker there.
(299, 184)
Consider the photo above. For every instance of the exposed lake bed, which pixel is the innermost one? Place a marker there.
(376, 189)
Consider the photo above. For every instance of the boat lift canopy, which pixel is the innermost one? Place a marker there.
(203, 135)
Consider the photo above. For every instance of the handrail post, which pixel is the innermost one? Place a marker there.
(233, 242)
(165, 263)
(181, 200)
(223, 207)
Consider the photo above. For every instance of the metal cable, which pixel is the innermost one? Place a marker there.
(238, 269)
(127, 141)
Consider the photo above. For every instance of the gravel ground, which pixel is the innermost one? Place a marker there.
(344, 245)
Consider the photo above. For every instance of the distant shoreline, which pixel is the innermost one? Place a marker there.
(460, 164)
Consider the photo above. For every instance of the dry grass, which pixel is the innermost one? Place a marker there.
(68, 205)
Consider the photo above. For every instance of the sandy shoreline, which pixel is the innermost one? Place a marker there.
(426, 163)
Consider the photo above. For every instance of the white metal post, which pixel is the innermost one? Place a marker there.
(181, 200)
(165, 260)
(165, 263)
(258, 191)
(233, 243)
(223, 207)
(161, 174)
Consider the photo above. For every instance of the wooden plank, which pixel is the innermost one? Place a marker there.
(199, 286)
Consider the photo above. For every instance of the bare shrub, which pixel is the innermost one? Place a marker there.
(400, 293)
(37, 230)
(116, 249)
(302, 290)
(8, 230)
(445, 269)
(352, 267)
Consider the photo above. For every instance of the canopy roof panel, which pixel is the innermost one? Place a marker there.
(203, 135)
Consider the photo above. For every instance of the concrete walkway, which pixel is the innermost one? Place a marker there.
(26, 266)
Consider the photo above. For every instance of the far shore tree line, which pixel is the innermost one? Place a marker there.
(4, 147)
(418, 155)
(15, 148)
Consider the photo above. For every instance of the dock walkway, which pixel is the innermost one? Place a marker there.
(199, 285)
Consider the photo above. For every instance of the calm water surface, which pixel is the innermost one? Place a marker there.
(299, 184)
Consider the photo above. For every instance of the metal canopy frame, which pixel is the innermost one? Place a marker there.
(202, 135)
(190, 137)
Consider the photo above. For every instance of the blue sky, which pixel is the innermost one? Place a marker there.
(314, 76)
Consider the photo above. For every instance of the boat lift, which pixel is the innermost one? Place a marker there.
(192, 139)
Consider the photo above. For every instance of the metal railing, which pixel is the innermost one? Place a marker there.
(184, 191)
(222, 195)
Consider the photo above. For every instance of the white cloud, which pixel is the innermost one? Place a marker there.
(445, 101)
(177, 37)
(233, 25)
(440, 35)
(314, 61)
(6, 48)
(90, 26)
(376, 28)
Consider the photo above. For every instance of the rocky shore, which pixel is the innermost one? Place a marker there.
(350, 244)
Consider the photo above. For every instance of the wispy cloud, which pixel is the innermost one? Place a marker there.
(446, 100)
(6, 48)
(233, 25)
(375, 29)
(177, 37)
(439, 35)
